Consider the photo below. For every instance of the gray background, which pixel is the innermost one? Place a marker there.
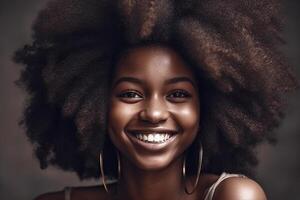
(20, 176)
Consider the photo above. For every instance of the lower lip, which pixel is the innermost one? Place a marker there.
(151, 146)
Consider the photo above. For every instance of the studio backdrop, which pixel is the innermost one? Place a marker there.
(20, 175)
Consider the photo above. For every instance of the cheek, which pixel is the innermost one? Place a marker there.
(118, 117)
(188, 118)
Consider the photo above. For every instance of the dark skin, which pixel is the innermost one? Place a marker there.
(155, 92)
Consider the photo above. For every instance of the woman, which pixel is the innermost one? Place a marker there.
(164, 95)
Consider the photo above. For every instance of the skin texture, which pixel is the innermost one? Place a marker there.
(143, 98)
(153, 90)
(239, 189)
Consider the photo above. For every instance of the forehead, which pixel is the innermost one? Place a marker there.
(152, 62)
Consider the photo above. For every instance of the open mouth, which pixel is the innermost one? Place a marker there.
(152, 137)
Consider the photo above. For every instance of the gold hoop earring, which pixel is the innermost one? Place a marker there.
(102, 169)
(198, 172)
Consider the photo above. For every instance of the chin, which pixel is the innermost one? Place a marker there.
(153, 163)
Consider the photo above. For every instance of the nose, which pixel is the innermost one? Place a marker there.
(155, 111)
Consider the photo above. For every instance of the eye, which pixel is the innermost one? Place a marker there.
(178, 95)
(130, 96)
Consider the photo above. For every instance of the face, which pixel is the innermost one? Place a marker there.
(154, 107)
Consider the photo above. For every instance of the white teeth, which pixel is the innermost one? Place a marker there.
(165, 136)
(150, 138)
(153, 137)
(157, 137)
(145, 137)
(140, 136)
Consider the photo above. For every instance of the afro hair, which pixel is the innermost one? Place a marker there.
(233, 46)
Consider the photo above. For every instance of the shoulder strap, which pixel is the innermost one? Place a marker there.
(67, 192)
(211, 190)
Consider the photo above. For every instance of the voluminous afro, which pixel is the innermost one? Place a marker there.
(231, 44)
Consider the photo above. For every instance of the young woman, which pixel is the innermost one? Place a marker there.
(162, 99)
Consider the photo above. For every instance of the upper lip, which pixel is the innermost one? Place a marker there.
(152, 130)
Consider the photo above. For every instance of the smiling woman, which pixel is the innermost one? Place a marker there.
(169, 97)
(153, 118)
(154, 112)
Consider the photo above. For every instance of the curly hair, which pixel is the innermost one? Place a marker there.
(232, 45)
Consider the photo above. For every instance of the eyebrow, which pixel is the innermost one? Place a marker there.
(141, 82)
(180, 79)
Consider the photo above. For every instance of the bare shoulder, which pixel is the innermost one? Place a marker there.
(239, 188)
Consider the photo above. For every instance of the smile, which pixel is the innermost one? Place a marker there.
(153, 137)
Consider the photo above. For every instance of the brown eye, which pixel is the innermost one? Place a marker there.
(130, 96)
(178, 95)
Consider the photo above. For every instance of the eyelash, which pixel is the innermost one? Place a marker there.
(133, 92)
(123, 94)
(182, 92)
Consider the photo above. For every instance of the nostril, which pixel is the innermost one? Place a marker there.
(153, 116)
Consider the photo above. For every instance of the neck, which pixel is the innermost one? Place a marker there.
(136, 184)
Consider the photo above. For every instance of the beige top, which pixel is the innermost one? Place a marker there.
(209, 195)
(211, 190)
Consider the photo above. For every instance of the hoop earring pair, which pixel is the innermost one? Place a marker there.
(183, 171)
(200, 156)
(102, 169)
